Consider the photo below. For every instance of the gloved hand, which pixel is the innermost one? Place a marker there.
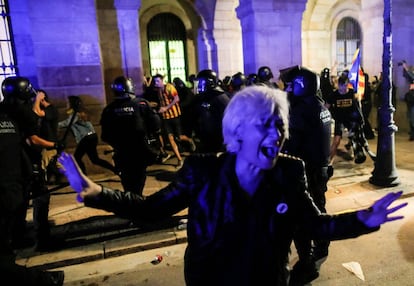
(59, 146)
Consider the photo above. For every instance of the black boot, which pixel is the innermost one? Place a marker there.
(303, 272)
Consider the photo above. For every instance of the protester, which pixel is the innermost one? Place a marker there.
(244, 205)
(409, 98)
(49, 118)
(170, 110)
(85, 135)
(38, 183)
(409, 101)
(151, 94)
(187, 104)
(366, 107)
(326, 84)
(347, 114)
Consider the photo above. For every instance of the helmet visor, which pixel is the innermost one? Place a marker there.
(201, 85)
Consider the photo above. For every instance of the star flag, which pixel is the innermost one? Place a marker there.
(356, 75)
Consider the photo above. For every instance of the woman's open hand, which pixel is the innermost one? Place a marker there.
(77, 179)
(381, 212)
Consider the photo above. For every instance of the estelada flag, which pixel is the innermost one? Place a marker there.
(356, 75)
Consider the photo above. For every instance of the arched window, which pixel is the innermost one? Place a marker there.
(166, 45)
(348, 40)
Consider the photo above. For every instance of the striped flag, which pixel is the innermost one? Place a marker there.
(356, 75)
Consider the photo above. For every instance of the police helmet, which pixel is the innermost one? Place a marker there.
(123, 86)
(207, 80)
(300, 81)
(264, 74)
(238, 80)
(251, 79)
(17, 87)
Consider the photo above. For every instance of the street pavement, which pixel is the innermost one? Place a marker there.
(98, 245)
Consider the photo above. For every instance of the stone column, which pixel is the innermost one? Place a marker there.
(207, 50)
(271, 33)
(130, 44)
(372, 20)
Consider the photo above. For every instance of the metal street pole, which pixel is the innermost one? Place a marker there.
(385, 173)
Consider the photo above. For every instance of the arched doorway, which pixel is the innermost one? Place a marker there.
(166, 46)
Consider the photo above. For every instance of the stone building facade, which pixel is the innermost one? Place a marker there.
(77, 47)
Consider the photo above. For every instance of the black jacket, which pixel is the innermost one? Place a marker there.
(210, 111)
(309, 131)
(125, 125)
(234, 239)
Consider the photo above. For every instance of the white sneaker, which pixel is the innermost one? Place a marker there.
(165, 159)
(179, 164)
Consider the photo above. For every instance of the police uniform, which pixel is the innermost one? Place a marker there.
(14, 172)
(309, 139)
(210, 110)
(13, 198)
(125, 124)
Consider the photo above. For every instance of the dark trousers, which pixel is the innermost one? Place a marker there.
(41, 199)
(41, 217)
(133, 171)
(88, 145)
(317, 187)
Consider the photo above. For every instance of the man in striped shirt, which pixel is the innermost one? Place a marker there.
(170, 111)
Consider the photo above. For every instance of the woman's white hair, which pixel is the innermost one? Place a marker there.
(252, 103)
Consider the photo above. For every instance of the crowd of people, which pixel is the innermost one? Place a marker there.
(245, 205)
(261, 153)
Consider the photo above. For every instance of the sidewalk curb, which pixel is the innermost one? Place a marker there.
(99, 251)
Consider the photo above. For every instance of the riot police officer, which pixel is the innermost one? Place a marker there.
(310, 135)
(16, 126)
(23, 94)
(251, 79)
(238, 82)
(126, 124)
(264, 76)
(211, 103)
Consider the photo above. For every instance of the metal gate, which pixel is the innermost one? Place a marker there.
(166, 45)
